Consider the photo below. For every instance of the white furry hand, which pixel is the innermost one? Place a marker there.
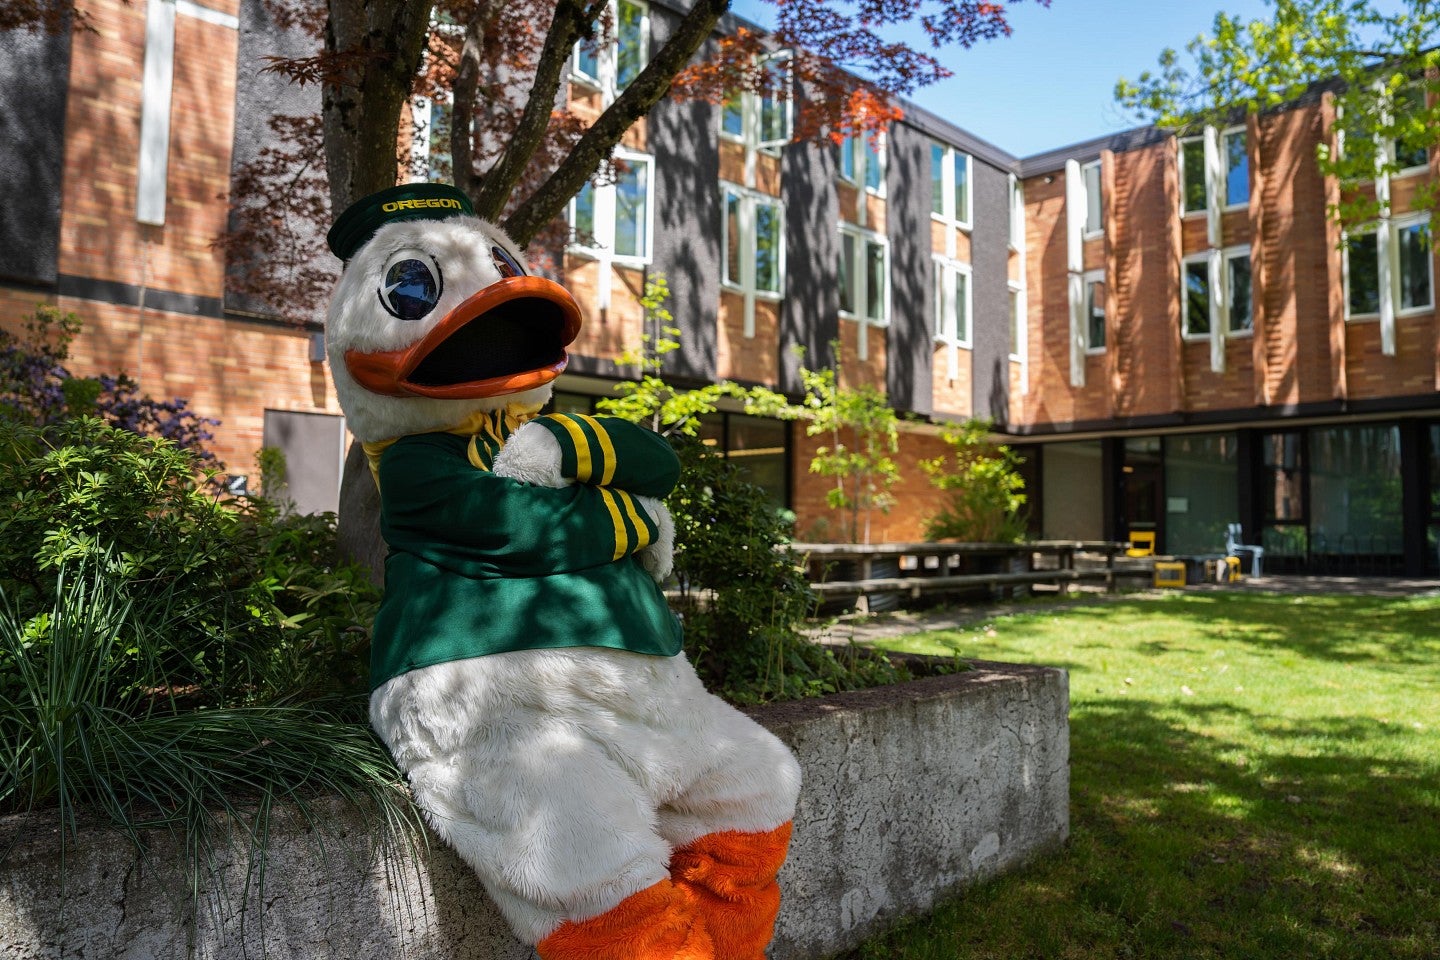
(658, 558)
(531, 455)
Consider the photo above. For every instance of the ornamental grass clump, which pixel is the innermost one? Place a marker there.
(168, 660)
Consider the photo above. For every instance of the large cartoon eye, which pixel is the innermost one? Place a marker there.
(412, 284)
(506, 264)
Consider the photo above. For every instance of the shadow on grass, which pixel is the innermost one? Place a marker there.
(1175, 854)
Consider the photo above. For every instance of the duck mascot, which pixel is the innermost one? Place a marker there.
(526, 672)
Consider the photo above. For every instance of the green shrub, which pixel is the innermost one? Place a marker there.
(743, 598)
(984, 492)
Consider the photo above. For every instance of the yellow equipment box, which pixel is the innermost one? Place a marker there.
(1169, 573)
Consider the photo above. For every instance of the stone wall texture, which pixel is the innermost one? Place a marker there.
(911, 794)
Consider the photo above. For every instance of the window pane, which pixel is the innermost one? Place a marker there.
(1363, 259)
(585, 216)
(732, 238)
(962, 315)
(937, 179)
(1192, 155)
(1355, 502)
(1094, 209)
(1197, 298)
(1414, 266)
(587, 62)
(1282, 480)
(1237, 169)
(1435, 470)
(1015, 325)
(1240, 307)
(631, 192)
(875, 281)
(1201, 491)
(874, 169)
(962, 187)
(937, 288)
(1410, 152)
(847, 273)
(732, 117)
(630, 43)
(847, 158)
(438, 162)
(767, 247)
(1095, 313)
(757, 448)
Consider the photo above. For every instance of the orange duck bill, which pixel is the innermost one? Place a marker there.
(507, 338)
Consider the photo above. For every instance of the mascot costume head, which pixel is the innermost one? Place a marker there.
(526, 671)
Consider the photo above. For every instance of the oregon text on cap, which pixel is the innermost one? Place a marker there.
(447, 202)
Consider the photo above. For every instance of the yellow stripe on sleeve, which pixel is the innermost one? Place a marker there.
(607, 449)
(622, 540)
(583, 467)
(641, 531)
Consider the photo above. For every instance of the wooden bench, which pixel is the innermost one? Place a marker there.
(942, 556)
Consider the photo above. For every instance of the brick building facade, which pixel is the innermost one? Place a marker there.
(1170, 328)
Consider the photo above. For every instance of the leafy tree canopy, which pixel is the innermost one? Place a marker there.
(1381, 58)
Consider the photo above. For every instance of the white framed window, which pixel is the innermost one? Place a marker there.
(1238, 307)
(1230, 176)
(615, 220)
(1094, 330)
(1389, 268)
(1235, 168)
(753, 234)
(754, 238)
(762, 120)
(1094, 200)
(862, 162)
(430, 144)
(1017, 320)
(1194, 196)
(953, 302)
(610, 63)
(1216, 298)
(1411, 155)
(864, 279)
(1017, 213)
(1197, 304)
(950, 189)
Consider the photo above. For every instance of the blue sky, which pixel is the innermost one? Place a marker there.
(1052, 82)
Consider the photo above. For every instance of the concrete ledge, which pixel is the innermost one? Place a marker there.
(911, 793)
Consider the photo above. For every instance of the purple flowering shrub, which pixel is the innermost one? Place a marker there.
(36, 388)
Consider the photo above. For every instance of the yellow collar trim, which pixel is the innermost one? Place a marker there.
(494, 425)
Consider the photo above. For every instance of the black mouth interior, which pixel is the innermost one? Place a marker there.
(517, 336)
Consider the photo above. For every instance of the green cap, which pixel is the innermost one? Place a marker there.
(408, 201)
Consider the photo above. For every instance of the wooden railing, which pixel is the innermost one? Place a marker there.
(915, 577)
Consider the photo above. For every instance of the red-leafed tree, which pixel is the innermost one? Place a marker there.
(502, 64)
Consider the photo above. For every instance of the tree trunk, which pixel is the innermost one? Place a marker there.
(385, 38)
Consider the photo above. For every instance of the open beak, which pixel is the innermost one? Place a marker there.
(506, 338)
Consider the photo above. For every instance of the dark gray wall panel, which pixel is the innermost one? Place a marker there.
(259, 96)
(684, 138)
(34, 83)
(989, 256)
(810, 312)
(910, 345)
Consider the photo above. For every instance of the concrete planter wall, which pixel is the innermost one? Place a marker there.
(911, 793)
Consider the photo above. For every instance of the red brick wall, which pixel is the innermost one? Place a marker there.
(916, 498)
(99, 236)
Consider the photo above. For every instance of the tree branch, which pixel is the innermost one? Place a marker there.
(462, 122)
(635, 102)
(496, 185)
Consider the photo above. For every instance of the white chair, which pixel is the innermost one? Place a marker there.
(1234, 548)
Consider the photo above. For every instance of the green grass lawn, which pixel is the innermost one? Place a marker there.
(1252, 776)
